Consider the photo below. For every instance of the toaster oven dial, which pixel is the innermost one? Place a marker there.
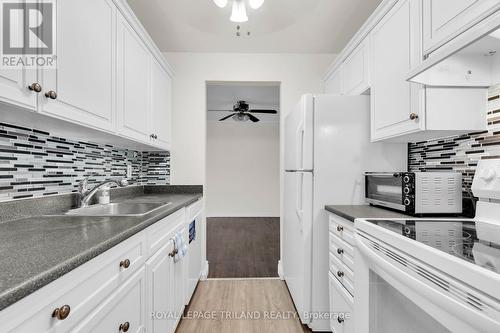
(407, 202)
(406, 190)
(406, 179)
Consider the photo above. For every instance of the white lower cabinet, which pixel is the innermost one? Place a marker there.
(133, 287)
(341, 306)
(161, 289)
(124, 311)
(341, 274)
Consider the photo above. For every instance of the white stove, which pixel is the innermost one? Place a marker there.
(432, 275)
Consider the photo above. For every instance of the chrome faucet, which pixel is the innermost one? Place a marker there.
(86, 194)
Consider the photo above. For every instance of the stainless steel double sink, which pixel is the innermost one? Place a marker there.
(119, 209)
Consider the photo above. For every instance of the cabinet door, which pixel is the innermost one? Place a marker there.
(134, 83)
(333, 84)
(161, 289)
(84, 77)
(355, 71)
(444, 19)
(126, 307)
(181, 277)
(342, 305)
(14, 87)
(161, 105)
(395, 48)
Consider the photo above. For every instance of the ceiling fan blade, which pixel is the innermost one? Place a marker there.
(264, 111)
(227, 117)
(253, 118)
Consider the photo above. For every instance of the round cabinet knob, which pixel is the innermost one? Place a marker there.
(125, 263)
(340, 251)
(124, 327)
(340, 228)
(340, 320)
(340, 274)
(36, 87)
(62, 312)
(413, 116)
(51, 94)
(156, 136)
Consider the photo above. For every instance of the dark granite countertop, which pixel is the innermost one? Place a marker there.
(359, 211)
(35, 251)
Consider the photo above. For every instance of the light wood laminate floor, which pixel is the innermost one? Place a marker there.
(229, 305)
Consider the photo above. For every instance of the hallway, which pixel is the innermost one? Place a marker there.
(243, 247)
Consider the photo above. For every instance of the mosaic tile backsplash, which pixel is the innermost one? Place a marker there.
(460, 153)
(33, 163)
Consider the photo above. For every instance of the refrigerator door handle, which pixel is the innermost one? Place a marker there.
(300, 145)
(299, 210)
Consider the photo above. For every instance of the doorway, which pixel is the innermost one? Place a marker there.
(243, 179)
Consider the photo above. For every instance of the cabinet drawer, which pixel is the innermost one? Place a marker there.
(125, 308)
(342, 250)
(342, 228)
(341, 306)
(82, 290)
(160, 233)
(342, 273)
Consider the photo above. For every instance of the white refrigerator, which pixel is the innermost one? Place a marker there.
(327, 151)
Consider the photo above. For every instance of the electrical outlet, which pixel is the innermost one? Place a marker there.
(129, 171)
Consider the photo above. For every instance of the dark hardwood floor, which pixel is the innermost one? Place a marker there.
(243, 247)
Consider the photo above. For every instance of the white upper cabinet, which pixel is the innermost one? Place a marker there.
(81, 88)
(355, 71)
(445, 19)
(333, 84)
(109, 76)
(133, 84)
(161, 106)
(395, 103)
(15, 87)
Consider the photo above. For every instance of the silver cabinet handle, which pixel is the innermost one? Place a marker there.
(36, 87)
(51, 94)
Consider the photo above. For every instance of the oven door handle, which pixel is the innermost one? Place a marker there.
(420, 292)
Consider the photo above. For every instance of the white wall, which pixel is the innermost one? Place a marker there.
(243, 169)
(298, 74)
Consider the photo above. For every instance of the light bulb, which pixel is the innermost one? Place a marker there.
(239, 13)
(255, 4)
(220, 3)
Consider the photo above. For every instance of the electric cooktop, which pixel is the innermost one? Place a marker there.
(455, 237)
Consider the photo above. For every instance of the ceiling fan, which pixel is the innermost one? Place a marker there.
(241, 112)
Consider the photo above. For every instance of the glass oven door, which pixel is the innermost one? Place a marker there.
(385, 189)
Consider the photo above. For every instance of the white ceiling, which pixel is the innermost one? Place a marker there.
(222, 96)
(279, 26)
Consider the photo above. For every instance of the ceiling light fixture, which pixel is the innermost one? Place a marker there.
(239, 9)
(255, 4)
(239, 13)
(220, 3)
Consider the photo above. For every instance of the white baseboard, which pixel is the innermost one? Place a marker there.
(280, 270)
(205, 270)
